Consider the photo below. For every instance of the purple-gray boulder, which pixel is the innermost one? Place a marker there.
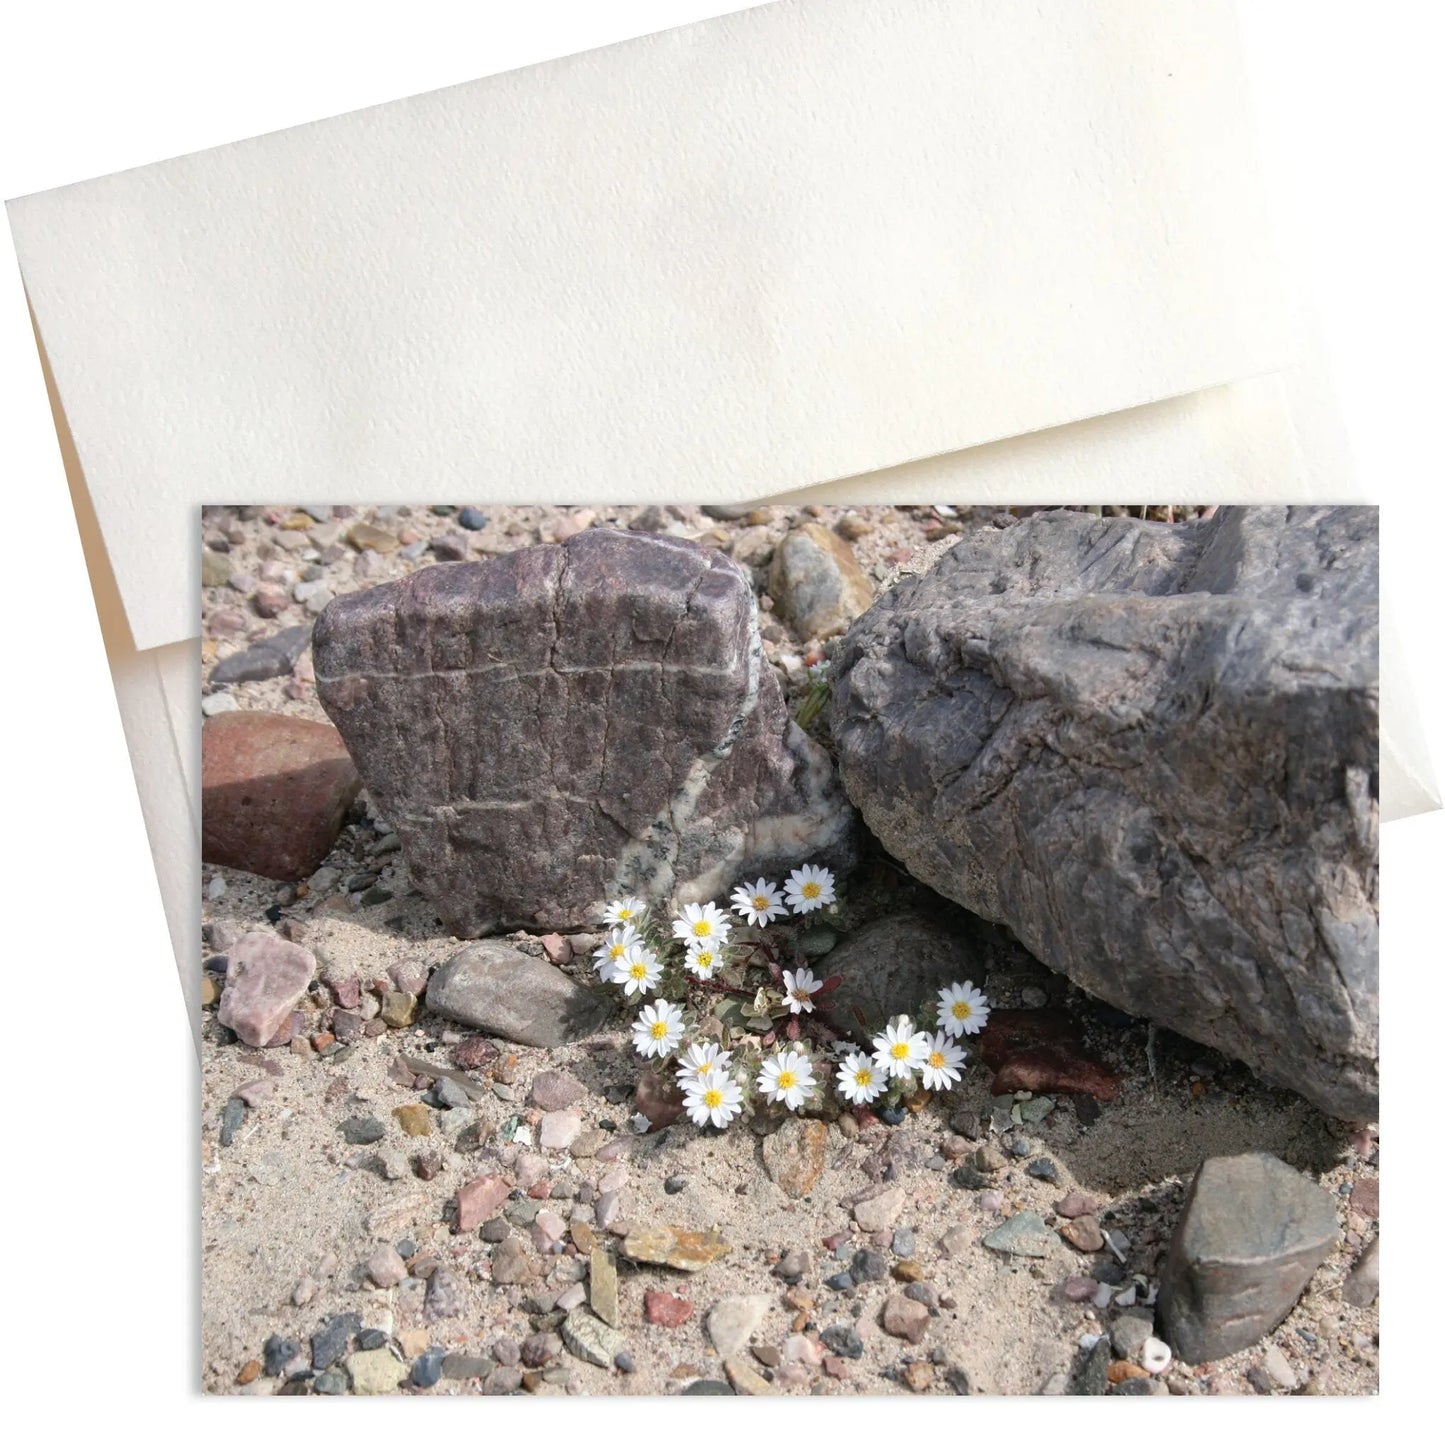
(1152, 751)
(548, 729)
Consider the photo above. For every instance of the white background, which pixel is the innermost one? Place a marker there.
(99, 1071)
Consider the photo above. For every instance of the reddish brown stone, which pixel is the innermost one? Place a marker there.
(1051, 1070)
(1365, 1197)
(662, 1309)
(1084, 1232)
(480, 1200)
(274, 790)
(1041, 1051)
(474, 1053)
(659, 1099)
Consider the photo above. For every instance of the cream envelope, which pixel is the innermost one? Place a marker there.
(803, 249)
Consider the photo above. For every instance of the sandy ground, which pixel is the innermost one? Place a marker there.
(289, 1200)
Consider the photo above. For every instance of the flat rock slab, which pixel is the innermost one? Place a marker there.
(895, 965)
(264, 981)
(496, 988)
(1152, 752)
(375, 1373)
(274, 791)
(266, 660)
(674, 1247)
(549, 728)
(1252, 1234)
(731, 1322)
(879, 1211)
(1025, 1234)
(591, 1338)
(796, 1154)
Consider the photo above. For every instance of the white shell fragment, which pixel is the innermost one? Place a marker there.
(1155, 1356)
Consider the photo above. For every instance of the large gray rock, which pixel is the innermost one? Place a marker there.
(498, 989)
(1153, 752)
(1252, 1234)
(550, 728)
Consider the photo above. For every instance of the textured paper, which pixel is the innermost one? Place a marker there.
(802, 250)
(780, 247)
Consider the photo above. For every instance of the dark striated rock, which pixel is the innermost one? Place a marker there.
(496, 988)
(278, 1352)
(275, 656)
(1252, 1234)
(1152, 751)
(895, 965)
(274, 791)
(330, 1344)
(550, 727)
(264, 980)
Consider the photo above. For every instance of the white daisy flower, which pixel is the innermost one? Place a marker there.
(642, 971)
(700, 1060)
(801, 986)
(616, 952)
(860, 1080)
(758, 902)
(658, 1029)
(940, 1068)
(702, 926)
(624, 911)
(962, 1009)
(900, 1048)
(714, 1098)
(809, 888)
(787, 1078)
(703, 961)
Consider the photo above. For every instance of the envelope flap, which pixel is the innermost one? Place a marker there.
(782, 247)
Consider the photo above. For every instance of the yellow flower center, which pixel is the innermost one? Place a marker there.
(702, 928)
(703, 1069)
(962, 1010)
(713, 1098)
(936, 1059)
(812, 889)
(659, 1029)
(704, 959)
(900, 1050)
(619, 952)
(638, 971)
(761, 901)
(624, 915)
(787, 1079)
(863, 1077)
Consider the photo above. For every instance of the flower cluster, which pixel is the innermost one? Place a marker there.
(775, 1065)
